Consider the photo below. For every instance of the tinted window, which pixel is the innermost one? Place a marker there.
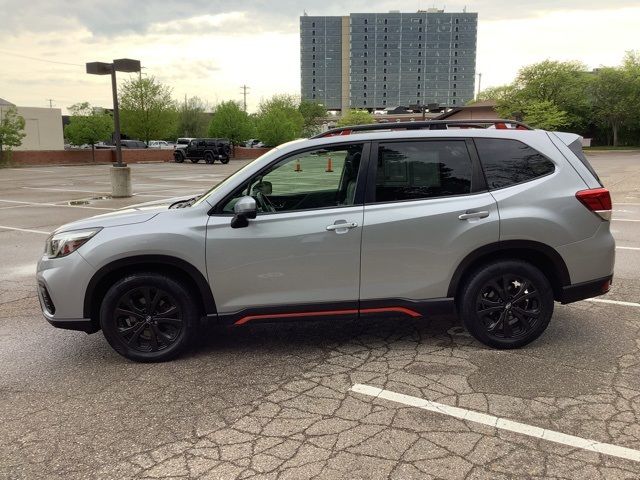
(415, 170)
(320, 178)
(576, 148)
(507, 162)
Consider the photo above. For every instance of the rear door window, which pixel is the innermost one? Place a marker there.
(509, 162)
(416, 170)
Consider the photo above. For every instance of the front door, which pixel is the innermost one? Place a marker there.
(300, 257)
(426, 209)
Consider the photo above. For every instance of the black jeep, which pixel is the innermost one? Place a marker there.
(207, 149)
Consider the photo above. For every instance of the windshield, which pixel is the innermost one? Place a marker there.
(230, 178)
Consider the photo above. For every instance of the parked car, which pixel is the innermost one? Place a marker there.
(132, 144)
(207, 149)
(182, 142)
(254, 143)
(493, 224)
(160, 144)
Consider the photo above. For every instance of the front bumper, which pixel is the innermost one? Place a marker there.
(62, 283)
(590, 289)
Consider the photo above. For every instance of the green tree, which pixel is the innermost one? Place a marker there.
(356, 117)
(498, 94)
(544, 115)
(232, 122)
(11, 130)
(192, 118)
(564, 84)
(313, 115)
(88, 125)
(147, 111)
(279, 120)
(615, 99)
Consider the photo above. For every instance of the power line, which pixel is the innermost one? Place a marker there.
(39, 59)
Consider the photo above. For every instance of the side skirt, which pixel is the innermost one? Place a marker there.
(365, 309)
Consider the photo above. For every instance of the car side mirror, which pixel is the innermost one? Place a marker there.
(244, 209)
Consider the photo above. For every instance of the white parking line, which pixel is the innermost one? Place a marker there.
(28, 230)
(36, 204)
(624, 220)
(501, 423)
(613, 302)
(627, 248)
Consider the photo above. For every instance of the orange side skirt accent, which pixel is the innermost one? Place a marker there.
(249, 318)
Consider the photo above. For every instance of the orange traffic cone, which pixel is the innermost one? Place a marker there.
(329, 165)
(298, 166)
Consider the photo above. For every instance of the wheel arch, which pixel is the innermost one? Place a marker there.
(106, 276)
(544, 257)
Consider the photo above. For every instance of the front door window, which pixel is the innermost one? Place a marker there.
(321, 178)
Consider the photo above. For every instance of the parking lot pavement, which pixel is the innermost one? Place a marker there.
(322, 400)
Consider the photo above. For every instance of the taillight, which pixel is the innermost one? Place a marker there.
(598, 200)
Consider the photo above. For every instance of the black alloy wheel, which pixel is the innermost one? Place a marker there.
(149, 317)
(506, 304)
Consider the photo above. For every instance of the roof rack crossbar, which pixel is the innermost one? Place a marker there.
(426, 125)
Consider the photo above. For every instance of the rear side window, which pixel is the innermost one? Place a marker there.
(576, 148)
(508, 162)
(416, 170)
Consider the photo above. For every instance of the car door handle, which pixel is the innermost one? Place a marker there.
(340, 226)
(468, 215)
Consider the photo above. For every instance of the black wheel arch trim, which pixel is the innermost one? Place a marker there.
(152, 261)
(504, 249)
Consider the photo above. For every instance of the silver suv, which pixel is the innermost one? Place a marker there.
(491, 220)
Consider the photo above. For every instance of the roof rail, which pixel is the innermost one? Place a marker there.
(500, 124)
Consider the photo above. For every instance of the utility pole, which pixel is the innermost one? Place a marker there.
(244, 95)
(479, 85)
(50, 100)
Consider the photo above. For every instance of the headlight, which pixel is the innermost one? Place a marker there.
(63, 243)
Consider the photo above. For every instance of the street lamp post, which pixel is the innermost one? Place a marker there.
(120, 172)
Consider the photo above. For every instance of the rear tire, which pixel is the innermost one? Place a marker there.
(506, 304)
(208, 158)
(148, 317)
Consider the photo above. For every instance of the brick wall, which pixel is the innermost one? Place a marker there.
(106, 156)
(243, 153)
(83, 157)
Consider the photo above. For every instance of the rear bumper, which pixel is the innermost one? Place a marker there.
(590, 289)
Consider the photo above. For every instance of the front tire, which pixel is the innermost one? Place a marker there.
(148, 317)
(179, 157)
(506, 304)
(208, 158)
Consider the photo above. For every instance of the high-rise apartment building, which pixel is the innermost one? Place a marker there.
(385, 60)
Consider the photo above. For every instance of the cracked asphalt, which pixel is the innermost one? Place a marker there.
(275, 401)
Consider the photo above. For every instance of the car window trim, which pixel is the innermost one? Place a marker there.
(490, 189)
(216, 210)
(478, 184)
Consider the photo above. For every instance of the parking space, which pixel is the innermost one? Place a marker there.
(383, 399)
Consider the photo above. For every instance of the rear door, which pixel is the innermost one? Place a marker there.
(426, 209)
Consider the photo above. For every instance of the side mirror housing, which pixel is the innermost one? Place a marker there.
(244, 209)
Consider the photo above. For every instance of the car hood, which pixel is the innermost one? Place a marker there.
(139, 213)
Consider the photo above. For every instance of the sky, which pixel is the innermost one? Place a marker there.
(210, 48)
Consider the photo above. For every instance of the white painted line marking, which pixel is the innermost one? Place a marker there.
(28, 230)
(35, 204)
(627, 248)
(47, 189)
(625, 203)
(501, 423)
(624, 220)
(613, 302)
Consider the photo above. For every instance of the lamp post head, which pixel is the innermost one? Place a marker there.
(99, 68)
(126, 65)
